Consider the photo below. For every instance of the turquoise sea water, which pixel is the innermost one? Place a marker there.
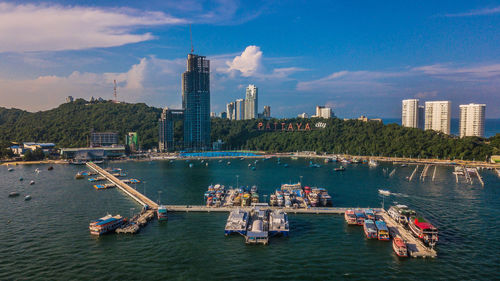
(47, 238)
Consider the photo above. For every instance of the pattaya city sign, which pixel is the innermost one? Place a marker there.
(289, 127)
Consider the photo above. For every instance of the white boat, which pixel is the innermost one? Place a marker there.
(32, 182)
(384, 192)
(10, 169)
(237, 222)
(27, 197)
(372, 163)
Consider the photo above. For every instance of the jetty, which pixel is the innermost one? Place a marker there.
(312, 210)
(413, 174)
(134, 194)
(416, 248)
(424, 172)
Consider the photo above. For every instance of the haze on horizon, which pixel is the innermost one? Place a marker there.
(360, 58)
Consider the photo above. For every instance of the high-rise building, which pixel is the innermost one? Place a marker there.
(166, 128)
(196, 103)
(323, 112)
(223, 115)
(131, 141)
(267, 111)
(437, 116)
(239, 109)
(251, 102)
(472, 120)
(103, 139)
(409, 113)
(303, 115)
(230, 111)
(421, 115)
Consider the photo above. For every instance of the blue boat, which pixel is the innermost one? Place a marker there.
(382, 230)
(370, 229)
(360, 217)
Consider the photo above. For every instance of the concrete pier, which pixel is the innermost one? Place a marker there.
(317, 210)
(416, 247)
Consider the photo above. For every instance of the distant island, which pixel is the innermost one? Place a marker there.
(69, 125)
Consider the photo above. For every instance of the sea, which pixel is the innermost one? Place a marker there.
(47, 238)
(491, 126)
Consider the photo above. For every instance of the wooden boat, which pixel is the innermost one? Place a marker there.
(399, 247)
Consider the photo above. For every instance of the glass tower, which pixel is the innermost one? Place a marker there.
(196, 103)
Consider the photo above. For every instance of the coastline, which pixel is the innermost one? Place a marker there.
(15, 163)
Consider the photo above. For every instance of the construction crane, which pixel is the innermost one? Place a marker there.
(191, 36)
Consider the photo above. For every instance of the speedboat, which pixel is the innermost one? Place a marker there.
(27, 197)
(32, 182)
(13, 194)
(384, 192)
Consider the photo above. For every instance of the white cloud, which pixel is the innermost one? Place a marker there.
(423, 95)
(469, 73)
(248, 63)
(478, 12)
(30, 27)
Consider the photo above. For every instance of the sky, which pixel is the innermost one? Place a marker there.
(358, 57)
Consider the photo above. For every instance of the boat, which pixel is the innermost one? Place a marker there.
(324, 197)
(161, 213)
(384, 192)
(13, 194)
(399, 247)
(191, 165)
(278, 223)
(339, 169)
(258, 227)
(401, 214)
(370, 214)
(79, 176)
(372, 163)
(237, 222)
(360, 217)
(106, 224)
(350, 217)
(103, 186)
(10, 169)
(382, 230)
(27, 197)
(424, 230)
(32, 182)
(294, 158)
(273, 201)
(50, 168)
(21, 179)
(370, 229)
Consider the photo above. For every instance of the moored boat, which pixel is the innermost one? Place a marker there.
(339, 169)
(384, 192)
(237, 222)
(13, 194)
(399, 247)
(350, 217)
(382, 230)
(370, 214)
(424, 230)
(401, 214)
(360, 217)
(106, 224)
(278, 223)
(27, 197)
(161, 213)
(370, 229)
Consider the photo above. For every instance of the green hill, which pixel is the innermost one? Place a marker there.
(69, 125)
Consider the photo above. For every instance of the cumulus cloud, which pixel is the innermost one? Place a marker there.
(41, 27)
(248, 63)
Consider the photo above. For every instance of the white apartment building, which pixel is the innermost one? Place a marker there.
(323, 112)
(410, 113)
(472, 120)
(438, 116)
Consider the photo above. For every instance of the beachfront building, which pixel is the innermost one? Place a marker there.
(251, 102)
(98, 139)
(303, 115)
(472, 120)
(239, 109)
(410, 113)
(196, 103)
(438, 116)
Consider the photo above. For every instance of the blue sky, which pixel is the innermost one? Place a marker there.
(359, 57)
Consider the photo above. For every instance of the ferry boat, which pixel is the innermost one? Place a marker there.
(370, 229)
(360, 217)
(258, 227)
(237, 222)
(370, 214)
(325, 198)
(399, 247)
(350, 217)
(382, 230)
(161, 213)
(106, 224)
(424, 230)
(278, 223)
(401, 214)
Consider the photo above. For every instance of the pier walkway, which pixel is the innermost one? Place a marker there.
(136, 195)
(312, 210)
(416, 247)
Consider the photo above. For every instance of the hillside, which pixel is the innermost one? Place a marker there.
(69, 124)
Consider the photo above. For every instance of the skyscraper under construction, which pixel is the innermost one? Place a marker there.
(196, 103)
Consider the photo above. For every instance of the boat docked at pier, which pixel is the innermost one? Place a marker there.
(237, 222)
(161, 213)
(401, 214)
(382, 230)
(278, 223)
(370, 229)
(399, 247)
(370, 214)
(258, 227)
(360, 217)
(424, 230)
(372, 163)
(106, 224)
(350, 217)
